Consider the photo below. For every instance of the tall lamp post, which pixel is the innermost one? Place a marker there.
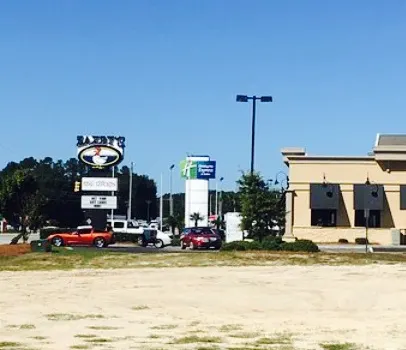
(130, 192)
(148, 204)
(374, 193)
(221, 198)
(170, 190)
(277, 182)
(245, 98)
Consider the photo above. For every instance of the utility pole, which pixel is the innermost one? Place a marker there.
(170, 191)
(130, 193)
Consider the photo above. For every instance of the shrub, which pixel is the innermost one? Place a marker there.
(271, 243)
(45, 232)
(361, 240)
(342, 240)
(175, 241)
(301, 245)
(240, 245)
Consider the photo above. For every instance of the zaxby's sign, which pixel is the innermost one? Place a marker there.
(100, 152)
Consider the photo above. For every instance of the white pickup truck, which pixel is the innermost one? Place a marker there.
(124, 226)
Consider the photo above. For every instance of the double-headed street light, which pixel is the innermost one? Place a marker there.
(245, 98)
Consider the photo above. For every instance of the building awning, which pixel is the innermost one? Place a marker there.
(368, 197)
(324, 196)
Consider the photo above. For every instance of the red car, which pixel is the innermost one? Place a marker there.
(199, 237)
(84, 235)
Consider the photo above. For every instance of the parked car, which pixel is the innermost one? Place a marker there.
(162, 239)
(199, 237)
(84, 235)
(124, 226)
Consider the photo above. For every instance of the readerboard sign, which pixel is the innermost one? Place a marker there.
(99, 184)
(99, 202)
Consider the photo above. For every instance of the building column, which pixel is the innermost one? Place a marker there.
(288, 216)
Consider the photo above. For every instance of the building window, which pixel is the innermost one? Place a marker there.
(324, 217)
(374, 218)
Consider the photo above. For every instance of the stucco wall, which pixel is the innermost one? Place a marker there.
(333, 234)
(346, 173)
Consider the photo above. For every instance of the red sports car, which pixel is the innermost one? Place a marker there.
(199, 237)
(84, 235)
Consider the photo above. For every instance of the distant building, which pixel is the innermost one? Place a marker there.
(330, 196)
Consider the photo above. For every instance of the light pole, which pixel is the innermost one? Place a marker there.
(170, 191)
(368, 185)
(130, 192)
(245, 98)
(148, 204)
(221, 198)
(276, 182)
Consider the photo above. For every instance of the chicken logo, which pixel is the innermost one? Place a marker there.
(98, 159)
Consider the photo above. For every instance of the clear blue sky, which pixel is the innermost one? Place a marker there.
(164, 74)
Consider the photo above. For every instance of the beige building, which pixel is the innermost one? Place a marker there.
(329, 197)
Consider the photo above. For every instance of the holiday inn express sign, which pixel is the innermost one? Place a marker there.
(198, 169)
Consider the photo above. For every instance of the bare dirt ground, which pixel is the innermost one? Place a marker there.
(279, 307)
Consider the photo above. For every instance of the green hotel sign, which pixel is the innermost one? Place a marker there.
(198, 169)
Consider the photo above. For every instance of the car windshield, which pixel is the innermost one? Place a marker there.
(201, 231)
(84, 231)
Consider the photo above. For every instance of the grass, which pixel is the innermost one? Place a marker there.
(72, 317)
(85, 336)
(22, 326)
(103, 328)
(338, 346)
(98, 340)
(81, 258)
(230, 328)
(9, 344)
(275, 340)
(80, 346)
(165, 327)
(196, 339)
(140, 307)
(244, 335)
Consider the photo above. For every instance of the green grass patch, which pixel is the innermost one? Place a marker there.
(275, 340)
(98, 340)
(230, 327)
(165, 327)
(245, 335)
(338, 346)
(81, 346)
(72, 317)
(103, 328)
(10, 345)
(85, 336)
(140, 307)
(196, 339)
(85, 258)
(39, 337)
(21, 326)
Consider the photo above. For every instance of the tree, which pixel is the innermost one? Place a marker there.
(196, 217)
(21, 200)
(260, 206)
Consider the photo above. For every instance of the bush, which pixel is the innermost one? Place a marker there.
(361, 240)
(301, 245)
(271, 243)
(45, 232)
(175, 241)
(342, 240)
(241, 246)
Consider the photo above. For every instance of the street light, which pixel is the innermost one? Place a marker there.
(221, 198)
(170, 191)
(245, 98)
(374, 194)
(277, 182)
(216, 208)
(148, 204)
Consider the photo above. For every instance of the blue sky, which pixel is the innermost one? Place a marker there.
(164, 74)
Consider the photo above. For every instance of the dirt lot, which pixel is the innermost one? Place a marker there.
(14, 250)
(277, 307)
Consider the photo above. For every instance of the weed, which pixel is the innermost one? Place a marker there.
(71, 317)
(196, 339)
(338, 346)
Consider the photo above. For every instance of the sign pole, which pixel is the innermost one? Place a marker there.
(112, 193)
(161, 204)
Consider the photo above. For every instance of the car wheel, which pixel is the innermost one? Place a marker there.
(159, 243)
(192, 246)
(99, 242)
(57, 241)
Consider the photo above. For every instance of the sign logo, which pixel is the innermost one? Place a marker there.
(99, 184)
(202, 170)
(100, 152)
